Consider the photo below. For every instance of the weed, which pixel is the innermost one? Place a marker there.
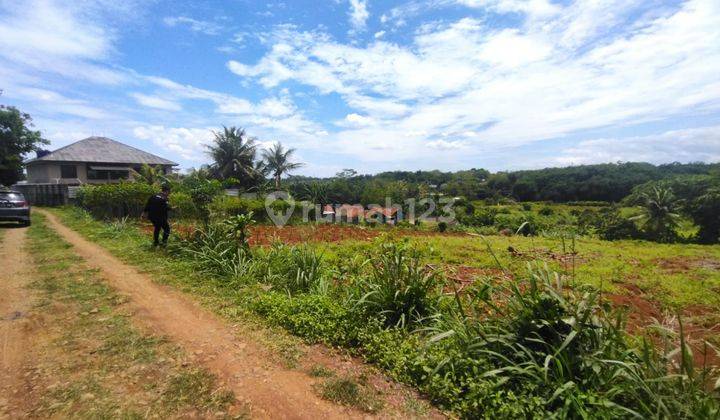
(320, 371)
(347, 391)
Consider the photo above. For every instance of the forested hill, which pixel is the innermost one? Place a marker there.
(604, 182)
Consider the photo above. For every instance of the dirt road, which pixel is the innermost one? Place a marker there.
(271, 391)
(15, 300)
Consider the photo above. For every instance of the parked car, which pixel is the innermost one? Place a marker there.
(14, 207)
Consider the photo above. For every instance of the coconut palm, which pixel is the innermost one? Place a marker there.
(233, 153)
(660, 213)
(278, 161)
(151, 174)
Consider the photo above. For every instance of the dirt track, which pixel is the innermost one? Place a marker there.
(15, 301)
(271, 391)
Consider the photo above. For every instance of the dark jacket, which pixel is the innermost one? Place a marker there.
(157, 208)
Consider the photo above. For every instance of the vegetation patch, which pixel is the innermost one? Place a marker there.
(547, 343)
(350, 392)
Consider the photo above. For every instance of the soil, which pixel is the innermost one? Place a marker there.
(242, 364)
(16, 327)
(678, 265)
(263, 235)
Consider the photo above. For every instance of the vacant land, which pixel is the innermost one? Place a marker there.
(270, 373)
(69, 348)
(658, 285)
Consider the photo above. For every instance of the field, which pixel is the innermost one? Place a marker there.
(326, 284)
(654, 283)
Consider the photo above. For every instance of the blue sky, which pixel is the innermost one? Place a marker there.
(375, 85)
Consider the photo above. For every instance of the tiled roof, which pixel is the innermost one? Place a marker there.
(102, 150)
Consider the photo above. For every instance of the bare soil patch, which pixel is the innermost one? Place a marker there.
(676, 265)
(16, 325)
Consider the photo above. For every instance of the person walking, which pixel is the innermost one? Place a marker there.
(156, 210)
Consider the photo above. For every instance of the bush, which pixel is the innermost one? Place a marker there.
(317, 318)
(704, 211)
(224, 206)
(294, 269)
(399, 288)
(546, 211)
(116, 200)
(483, 217)
(182, 206)
(442, 226)
(559, 352)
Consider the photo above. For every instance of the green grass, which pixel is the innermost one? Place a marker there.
(467, 385)
(101, 365)
(603, 264)
(351, 392)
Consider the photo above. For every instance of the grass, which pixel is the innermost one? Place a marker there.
(350, 392)
(603, 264)
(476, 373)
(96, 363)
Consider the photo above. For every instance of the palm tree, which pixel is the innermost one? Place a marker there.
(660, 213)
(277, 161)
(233, 153)
(151, 174)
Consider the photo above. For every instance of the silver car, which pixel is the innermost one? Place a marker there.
(14, 207)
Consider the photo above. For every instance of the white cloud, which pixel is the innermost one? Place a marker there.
(58, 38)
(685, 145)
(446, 145)
(556, 74)
(54, 102)
(358, 14)
(201, 26)
(186, 142)
(156, 102)
(379, 34)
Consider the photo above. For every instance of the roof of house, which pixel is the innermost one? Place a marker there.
(385, 211)
(102, 150)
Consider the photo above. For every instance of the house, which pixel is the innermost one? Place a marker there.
(94, 160)
(355, 213)
(382, 214)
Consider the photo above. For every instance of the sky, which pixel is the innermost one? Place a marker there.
(375, 85)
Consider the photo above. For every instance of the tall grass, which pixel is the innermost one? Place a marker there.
(399, 288)
(569, 349)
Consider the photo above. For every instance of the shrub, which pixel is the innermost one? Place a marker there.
(527, 207)
(316, 318)
(296, 269)
(546, 211)
(224, 206)
(482, 217)
(116, 200)
(399, 289)
(704, 211)
(218, 254)
(442, 226)
(612, 226)
(182, 206)
(564, 351)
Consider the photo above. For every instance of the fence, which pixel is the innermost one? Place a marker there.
(45, 194)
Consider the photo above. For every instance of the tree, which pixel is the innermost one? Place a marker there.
(151, 175)
(233, 153)
(278, 161)
(16, 140)
(660, 214)
(705, 212)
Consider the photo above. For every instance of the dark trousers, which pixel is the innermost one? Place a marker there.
(165, 226)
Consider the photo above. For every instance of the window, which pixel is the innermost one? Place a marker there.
(68, 171)
(105, 174)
